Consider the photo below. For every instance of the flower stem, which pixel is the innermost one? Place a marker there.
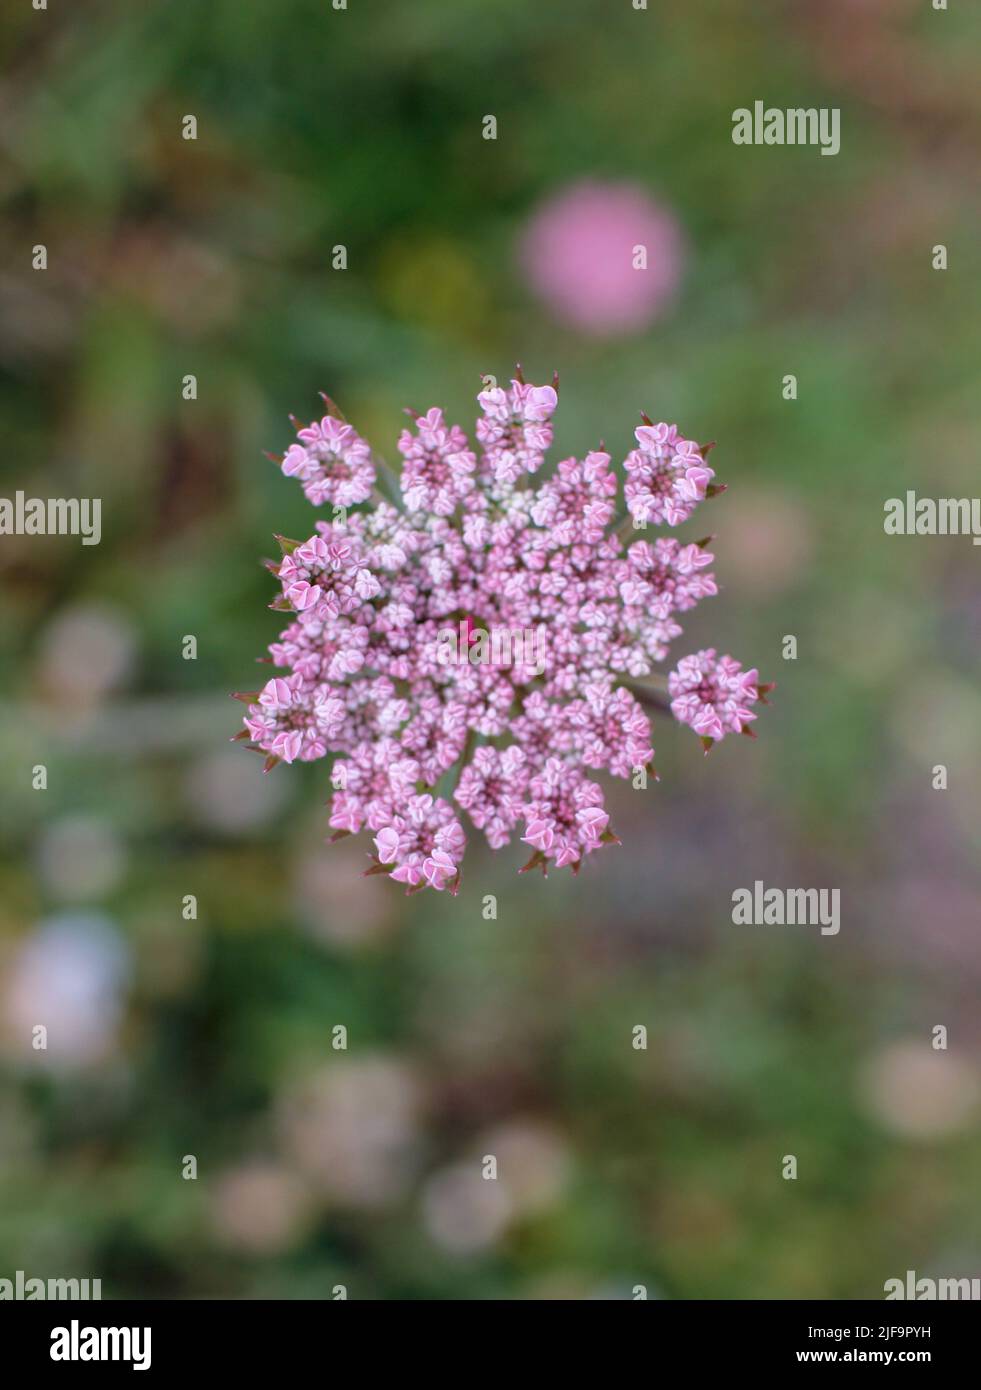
(653, 696)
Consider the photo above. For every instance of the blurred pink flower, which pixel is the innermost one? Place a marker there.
(769, 540)
(605, 257)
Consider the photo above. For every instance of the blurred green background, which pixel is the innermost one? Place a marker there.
(213, 1037)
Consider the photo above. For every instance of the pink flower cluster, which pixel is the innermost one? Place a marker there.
(473, 546)
(713, 694)
(332, 462)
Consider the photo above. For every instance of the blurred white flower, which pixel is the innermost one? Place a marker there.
(88, 650)
(80, 857)
(68, 977)
(228, 791)
(463, 1211)
(352, 1129)
(258, 1206)
(335, 902)
(917, 1092)
(532, 1163)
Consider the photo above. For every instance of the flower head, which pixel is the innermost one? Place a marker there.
(486, 645)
